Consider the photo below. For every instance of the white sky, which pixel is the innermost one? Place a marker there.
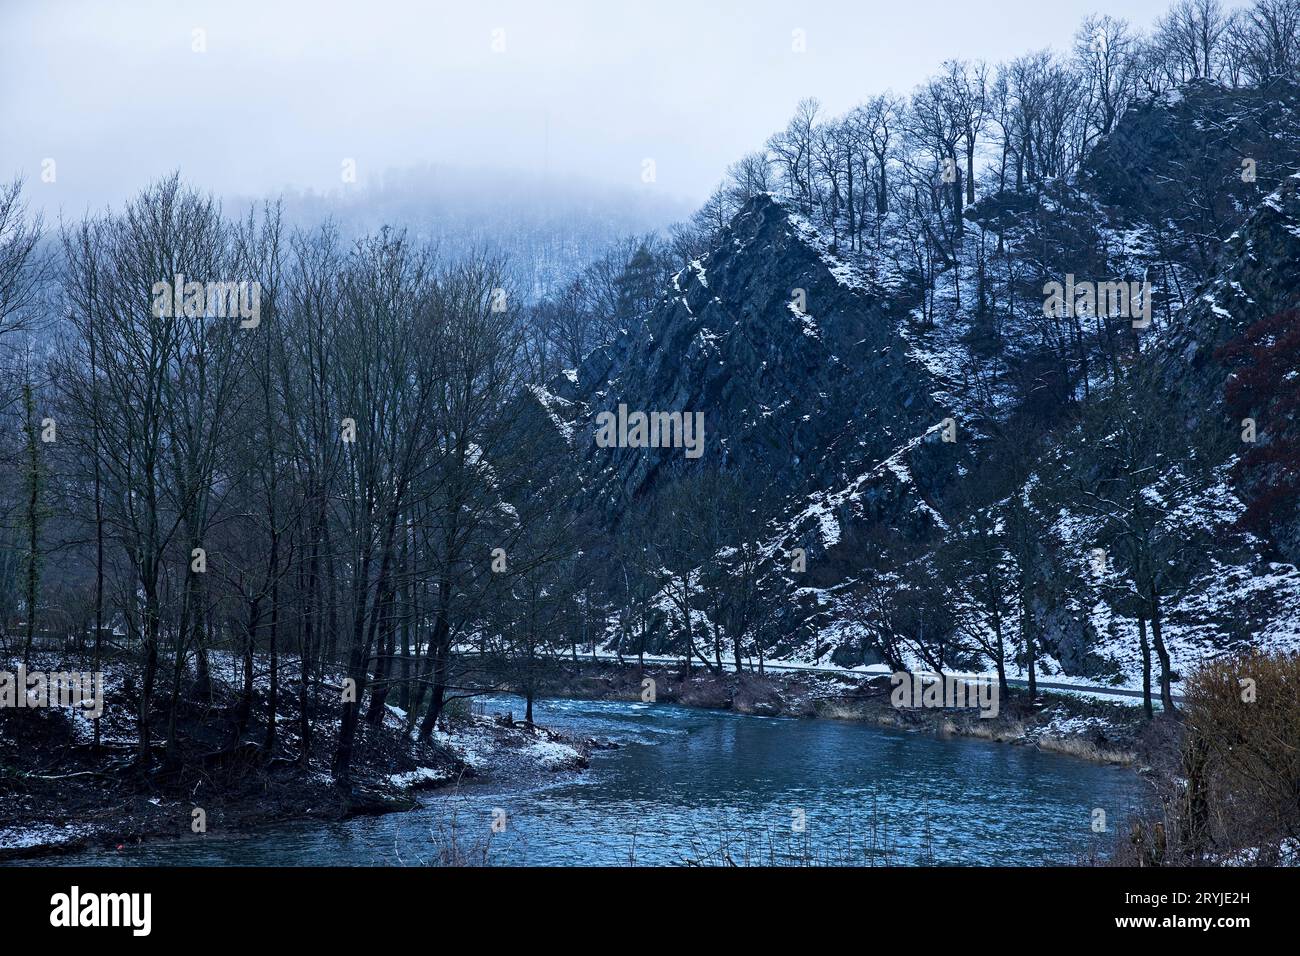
(115, 95)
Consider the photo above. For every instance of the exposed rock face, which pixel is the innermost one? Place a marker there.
(1258, 275)
(1260, 279)
(1217, 169)
(804, 367)
(1199, 137)
(1199, 160)
(797, 401)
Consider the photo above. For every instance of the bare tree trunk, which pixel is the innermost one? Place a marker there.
(1031, 649)
(244, 709)
(33, 519)
(149, 634)
(273, 687)
(1146, 667)
(381, 682)
(438, 693)
(1166, 689)
(436, 664)
(311, 617)
(99, 574)
(408, 619)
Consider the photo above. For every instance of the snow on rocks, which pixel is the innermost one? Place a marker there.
(553, 404)
(37, 835)
(421, 777)
(501, 746)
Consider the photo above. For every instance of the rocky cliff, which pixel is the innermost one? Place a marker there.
(819, 388)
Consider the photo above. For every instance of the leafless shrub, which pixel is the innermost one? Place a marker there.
(1234, 794)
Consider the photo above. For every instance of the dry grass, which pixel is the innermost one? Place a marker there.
(1086, 750)
(1235, 789)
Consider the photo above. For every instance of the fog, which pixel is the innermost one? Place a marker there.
(249, 98)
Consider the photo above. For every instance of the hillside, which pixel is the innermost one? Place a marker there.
(833, 417)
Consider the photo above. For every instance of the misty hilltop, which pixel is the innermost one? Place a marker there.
(969, 411)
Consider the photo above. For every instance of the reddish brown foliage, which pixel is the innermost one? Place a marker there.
(1265, 386)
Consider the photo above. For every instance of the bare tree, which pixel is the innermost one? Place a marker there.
(879, 120)
(23, 269)
(1105, 49)
(792, 149)
(1189, 37)
(1263, 41)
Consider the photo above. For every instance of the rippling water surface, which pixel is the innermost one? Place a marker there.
(713, 787)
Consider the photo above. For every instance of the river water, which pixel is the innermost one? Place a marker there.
(711, 787)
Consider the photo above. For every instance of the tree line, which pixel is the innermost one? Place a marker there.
(338, 500)
(310, 499)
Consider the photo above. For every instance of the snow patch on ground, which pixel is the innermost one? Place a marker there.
(42, 834)
(420, 776)
(552, 754)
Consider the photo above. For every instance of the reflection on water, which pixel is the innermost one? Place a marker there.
(707, 786)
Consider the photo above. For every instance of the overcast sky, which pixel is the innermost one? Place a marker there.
(285, 92)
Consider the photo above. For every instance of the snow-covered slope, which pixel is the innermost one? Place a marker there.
(885, 426)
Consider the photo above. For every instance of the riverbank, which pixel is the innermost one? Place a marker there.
(697, 787)
(60, 792)
(1072, 724)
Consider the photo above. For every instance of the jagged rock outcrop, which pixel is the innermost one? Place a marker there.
(817, 386)
(1194, 163)
(1258, 275)
(794, 359)
(1199, 137)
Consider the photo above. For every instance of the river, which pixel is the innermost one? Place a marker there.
(699, 786)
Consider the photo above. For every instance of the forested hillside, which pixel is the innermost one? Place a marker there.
(997, 375)
(916, 459)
